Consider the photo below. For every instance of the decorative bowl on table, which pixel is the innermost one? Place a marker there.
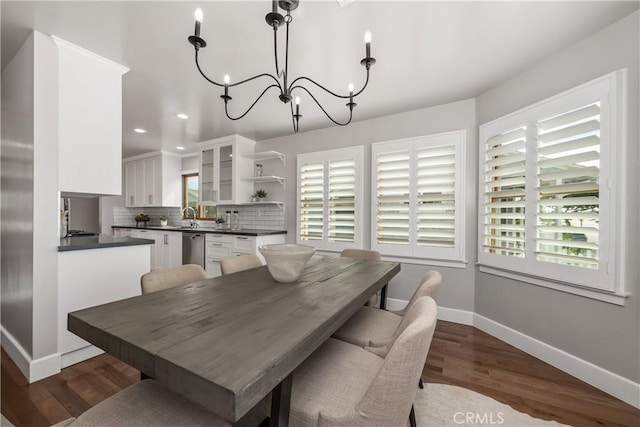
(286, 261)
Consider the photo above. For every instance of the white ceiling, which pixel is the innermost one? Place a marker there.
(428, 53)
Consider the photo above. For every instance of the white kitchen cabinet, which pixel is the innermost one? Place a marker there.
(89, 121)
(153, 179)
(225, 167)
(168, 249)
(219, 246)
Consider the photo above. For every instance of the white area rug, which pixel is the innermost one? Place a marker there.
(439, 405)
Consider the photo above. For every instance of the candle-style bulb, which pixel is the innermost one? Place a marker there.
(367, 41)
(199, 16)
(297, 100)
(226, 79)
(351, 88)
(297, 107)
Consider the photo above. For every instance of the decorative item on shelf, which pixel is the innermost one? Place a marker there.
(286, 261)
(142, 218)
(281, 80)
(260, 195)
(164, 221)
(258, 169)
(219, 223)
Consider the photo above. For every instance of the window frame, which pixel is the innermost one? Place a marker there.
(601, 283)
(452, 257)
(199, 207)
(357, 154)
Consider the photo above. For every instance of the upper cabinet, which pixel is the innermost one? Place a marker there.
(153, 179)
(225, 167)
(89, 121)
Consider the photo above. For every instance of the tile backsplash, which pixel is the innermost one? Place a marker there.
(254, 217)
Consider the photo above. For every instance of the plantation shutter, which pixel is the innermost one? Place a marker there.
(435, 186)
(504, 194)
(392, 198)
(311, 201)
(342, 200)
(568, 188)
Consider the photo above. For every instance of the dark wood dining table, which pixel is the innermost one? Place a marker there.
(228, 341)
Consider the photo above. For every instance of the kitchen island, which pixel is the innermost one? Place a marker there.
(94, 270)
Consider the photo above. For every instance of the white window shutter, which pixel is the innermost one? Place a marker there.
(342, 200)
(392, 198)
(436, 191)
(568, 187)
(503, 201)
(311, 195)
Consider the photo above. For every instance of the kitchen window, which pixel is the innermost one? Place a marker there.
(418, 197)
(190, 185)
(548, 193)
(330, 192)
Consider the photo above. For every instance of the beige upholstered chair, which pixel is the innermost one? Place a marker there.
(169, 277)
(146, 403)
(374, 328)
(363, 254)
(238, 263)
(344, 385)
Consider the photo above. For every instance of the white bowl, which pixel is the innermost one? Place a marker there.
(286, 261)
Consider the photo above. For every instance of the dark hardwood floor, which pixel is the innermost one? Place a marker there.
(459, 355)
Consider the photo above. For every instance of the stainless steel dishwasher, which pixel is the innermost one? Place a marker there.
(193, 248)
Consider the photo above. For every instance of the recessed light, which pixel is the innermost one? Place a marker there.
(182, 116)
(179, 148)
(140, 130)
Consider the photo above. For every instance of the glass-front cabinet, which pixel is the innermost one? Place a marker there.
(224, 170)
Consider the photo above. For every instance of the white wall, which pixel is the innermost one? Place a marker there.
(458, 287)
(603, 334)
(30, 201)
(17, 196)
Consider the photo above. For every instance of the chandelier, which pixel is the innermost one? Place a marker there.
(281, 80)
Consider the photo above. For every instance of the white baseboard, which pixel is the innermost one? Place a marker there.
(33, 370)
(607, 381)
(79, 355)
(454, 315)
(395, 304)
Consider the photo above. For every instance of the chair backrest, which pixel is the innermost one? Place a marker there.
(390, 395)
(361, 254)
(429, 287)
(169, 277)
(238, 263)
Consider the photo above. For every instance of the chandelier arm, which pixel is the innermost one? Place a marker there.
(238, 83)
(203, 74)
(252, 105)
(277, 84)
(323, 110)
(329, 91)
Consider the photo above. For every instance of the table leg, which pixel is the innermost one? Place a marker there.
(383, 298)
(281, 402)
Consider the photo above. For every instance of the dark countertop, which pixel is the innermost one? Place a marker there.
(240, 232)
(78, 243)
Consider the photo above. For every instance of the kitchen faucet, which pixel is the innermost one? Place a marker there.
(194, 223)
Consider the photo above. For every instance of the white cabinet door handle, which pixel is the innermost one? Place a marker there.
(150, 199)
